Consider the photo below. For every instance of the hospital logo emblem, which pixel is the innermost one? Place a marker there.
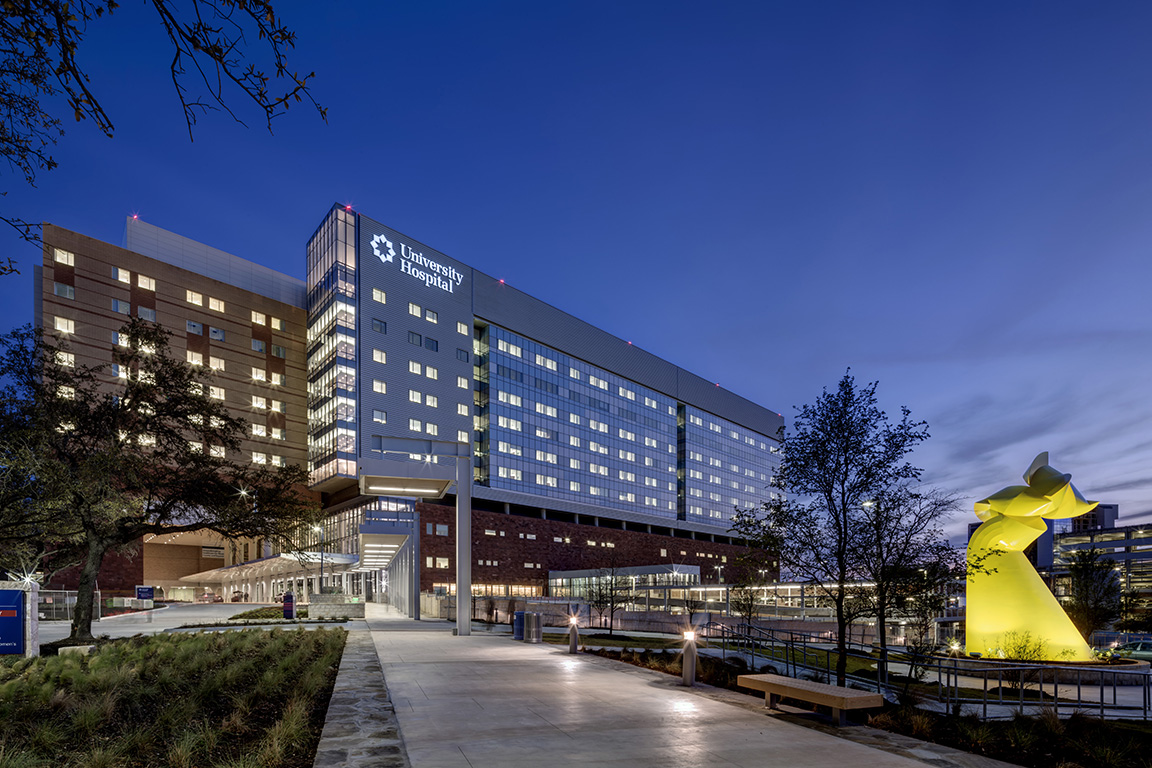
(382, 248)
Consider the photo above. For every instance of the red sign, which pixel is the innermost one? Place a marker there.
(8, 614)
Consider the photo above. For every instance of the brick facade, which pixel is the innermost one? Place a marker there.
(119, 574)
(556, 546)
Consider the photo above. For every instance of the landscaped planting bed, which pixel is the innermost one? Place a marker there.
(242, 699)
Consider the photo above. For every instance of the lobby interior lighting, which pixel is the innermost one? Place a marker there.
(419, 487)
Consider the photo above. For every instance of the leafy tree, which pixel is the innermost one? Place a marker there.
(1094, 593)
(742, 601)
(122, 460)
(840, 452)
(214, 43)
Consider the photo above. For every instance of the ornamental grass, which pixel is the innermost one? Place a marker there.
(242, 698)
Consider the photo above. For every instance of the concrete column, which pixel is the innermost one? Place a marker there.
(416, 564)
(464, 545)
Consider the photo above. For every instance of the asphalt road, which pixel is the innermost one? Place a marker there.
(149, 622)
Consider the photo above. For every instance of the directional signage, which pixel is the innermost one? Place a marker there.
(145, 593)
(12, 621)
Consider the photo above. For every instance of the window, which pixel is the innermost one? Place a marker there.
(279, 378)
(415, 338)
(414, 310)
(627, 393)
(147, 283)
(122, 275)
(216, 305)
(597, 469)
(194, 298)
(65, 325)
(508, 397)
(574, 373)
(627, 455)
(257, 345)
(597, 448)
(259, 374)
(195, 358)
(379, 386)
(431, 401)
(507, 423)
(509, 448)
(649, 402)
(432, 429)
(512, 474)
(277, 433)
(259, 430)
(597, 382)
(573, 463)
(119, 371)
(279, 351)
(547, 410)
(415, 367)
(461, 354)
(64, 257)
(415, 397)
(630, 477)
(461, 409)
(259, 458)
(461, 436)
(431, 344)
(598, 426)
(380, 326)
(415, 425)
(63, 291)
(462, 328)
(146, 314)
(258, 318)
(216, 393)
(510, 349)
(462, 382)
(544, 456)
(66, 393)
(278, 461)
(625, 434)
(431, 372)
(378, 356)
(380, 417)
(216, 333)
(122, 307)
(259, 402)
(431, 316)
(66, 359)
(196, 328)
(216, 363)
(573, 440)
(277, 323)
(546, 362)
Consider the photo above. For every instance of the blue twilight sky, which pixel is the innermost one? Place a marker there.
(952, 198)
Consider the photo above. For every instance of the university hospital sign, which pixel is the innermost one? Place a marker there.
(419, 266)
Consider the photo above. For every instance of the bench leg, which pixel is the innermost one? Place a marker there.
(772, 700)
(838, 716)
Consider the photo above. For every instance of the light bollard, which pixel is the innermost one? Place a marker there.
(573, 634)
(689, 661)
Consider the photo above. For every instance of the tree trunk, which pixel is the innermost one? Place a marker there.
(86, 590)
(841, 645)
(882, 636)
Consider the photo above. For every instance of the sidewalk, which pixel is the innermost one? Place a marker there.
(486, 702)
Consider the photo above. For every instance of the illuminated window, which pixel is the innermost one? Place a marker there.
(259, 402)
(66, 359)
(379, 386)
(258, 317)
(259, 374)
(216, 305)
(546, 362)
(147, 283)
(216, 393)
(431, 372)
(462, 382)
(65, 325)
(379, 356)
(508, 397)
(277, 324)
(415, 310)
(507, 423)
(216, 451)
(627, 393)
(596, 382)
(547, 410)
(431, 401)
(461, 437)
(510, 349)
(461, 409)
(195, 358)
(415, 367)
(415, 425)
(544, 456)
(431, 316)
(380, 417)
(64, 257)
(278, 378)
(122, 275)
(574, 373)
(66, 393)
(415, 397)
(259, 458)
(278, 461)
(432, 429)
(462, 329)
(259, 430)
(194, 298)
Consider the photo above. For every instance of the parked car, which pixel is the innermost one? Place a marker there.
(1141, 649)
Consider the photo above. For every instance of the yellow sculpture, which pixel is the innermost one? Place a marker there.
(1010, 601)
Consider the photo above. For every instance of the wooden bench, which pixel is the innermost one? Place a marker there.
(838, 699)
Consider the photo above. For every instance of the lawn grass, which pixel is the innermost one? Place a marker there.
(244, 699)
(615, 641)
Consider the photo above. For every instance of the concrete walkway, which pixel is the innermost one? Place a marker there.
(486, 702)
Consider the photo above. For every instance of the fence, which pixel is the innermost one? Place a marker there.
(60, 605)
(988, 689)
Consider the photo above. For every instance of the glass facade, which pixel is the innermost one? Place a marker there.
(331, 348)
(555, 426)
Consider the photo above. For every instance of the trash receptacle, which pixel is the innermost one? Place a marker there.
(533, 628)
(518, 625)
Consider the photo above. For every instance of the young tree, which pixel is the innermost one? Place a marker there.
(840, 452)
(607, 593)
(214, 42)
(138, 454)
(1094, 593)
